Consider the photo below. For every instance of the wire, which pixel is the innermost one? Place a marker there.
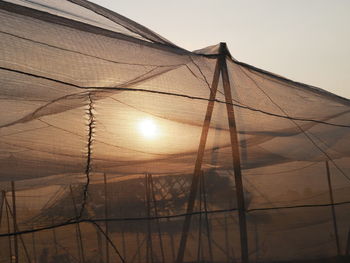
(94, 221)
(116, 88)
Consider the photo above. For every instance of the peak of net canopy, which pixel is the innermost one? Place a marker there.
(214, 50)
(222, 49)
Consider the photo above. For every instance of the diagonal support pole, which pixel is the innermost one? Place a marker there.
(198, 165)
(235, 156)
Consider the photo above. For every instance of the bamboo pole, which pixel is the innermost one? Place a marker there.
(123, 243)
(25, 248)
(9, 231)
(99, 244)
(347, 249)
(78, 230)
(16, 229)
(156, 214)
(223, 250)
(2, 205)
(333, 208)
(198, 165)
(54, 239)
(148, 213)
(106, 216)
(217, 245)
(172, 245)
(119, 198)
(227, 239)
(138, 251)
(14, 217)
(34, 247)
(199, 242)
(235, 157)
(211, 257)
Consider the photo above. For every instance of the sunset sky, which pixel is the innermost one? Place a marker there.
(304, 40)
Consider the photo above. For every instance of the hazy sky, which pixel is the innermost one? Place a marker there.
(304, 40)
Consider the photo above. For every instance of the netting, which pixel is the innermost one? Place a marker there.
(118, 146)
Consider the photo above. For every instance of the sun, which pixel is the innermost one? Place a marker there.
(148, 128)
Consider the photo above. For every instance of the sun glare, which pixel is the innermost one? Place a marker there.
(148, 128)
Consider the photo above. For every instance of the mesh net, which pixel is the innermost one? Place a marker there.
(109, 133)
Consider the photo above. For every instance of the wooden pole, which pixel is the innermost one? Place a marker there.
(198, 165)
(217, 244)
(8, 231)
(222, 249)
(199, 245)
(78, 229)
(106, 216)
(138, 250)
(148, 213)
(123, 243)
(99, 244)
(122, 223)
(34, 247)
(226, 239)
(235, 156)
(156, 214)
(347, 249)
(24, 248)
(14, 217)
(172, 245)
(2, 205)
(256, 240)
(333, 208)
(138, 247)
(3, 196)
(54, 239)
(16, 229)
(211, 257)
